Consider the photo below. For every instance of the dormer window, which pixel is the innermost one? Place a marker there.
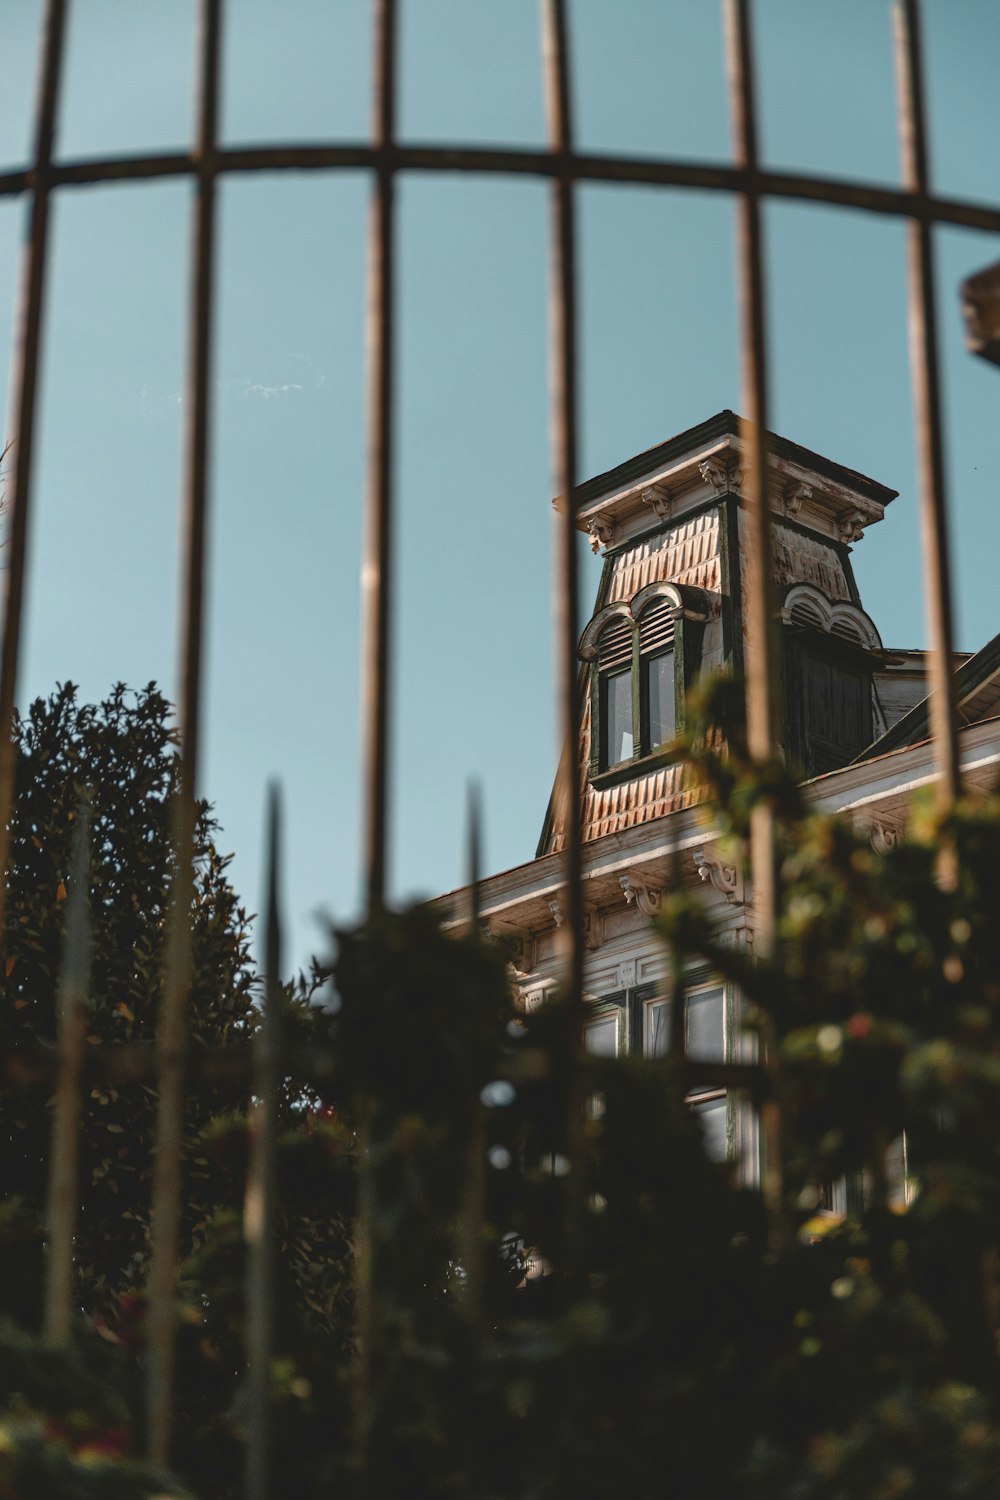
(637, 674)
(831, 648)
(615, 652)
(657, 678)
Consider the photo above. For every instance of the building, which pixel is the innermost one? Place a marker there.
(672, 528)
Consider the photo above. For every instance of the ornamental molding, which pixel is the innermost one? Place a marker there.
(794, 495)
(520, 947)
(804, 604)
(724, 876)
(602, 533)
(883, 837)
(625, 975)
(724, 474)
(849, 526)
(593, 929)
(659, 499)
(641, 893)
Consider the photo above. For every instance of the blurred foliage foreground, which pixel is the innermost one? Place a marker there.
(601, 1316)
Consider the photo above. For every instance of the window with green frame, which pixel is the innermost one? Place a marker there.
(639, 661)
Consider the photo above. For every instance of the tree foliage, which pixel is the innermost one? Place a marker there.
(123, 751)
(619, 1315)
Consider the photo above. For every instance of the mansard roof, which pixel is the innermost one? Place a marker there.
(977, 697)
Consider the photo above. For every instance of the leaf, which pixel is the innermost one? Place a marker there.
(10, 965)
(61, 891)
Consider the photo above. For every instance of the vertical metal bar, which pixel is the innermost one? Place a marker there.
(564, 460)
(472, 1215)
(377, 573)
(25, 361)
(74, 994)
(761, 655)
(261, 1193)
(376, 602)
(172, 1023)
(475, 856)
(925, 370)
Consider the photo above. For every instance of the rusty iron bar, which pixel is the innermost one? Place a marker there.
(262, 1183)
(564, 407)
(376, 586)
(471, 1242)
(63, 1192)
(925, 370)
(233, 1062)
(675, 990)
(761, 657)
(832, 192)
(25, 361)
(172, 1021)
(474, 845)
(377, 576)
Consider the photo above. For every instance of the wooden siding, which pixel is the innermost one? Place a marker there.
(804, 559)
(688, 553)
(635, 800)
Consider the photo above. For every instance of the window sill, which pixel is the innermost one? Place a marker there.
(614, 775)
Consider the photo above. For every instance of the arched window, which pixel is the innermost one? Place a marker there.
(831, 648)
(614, 665)
(641, 654)
(657, 678)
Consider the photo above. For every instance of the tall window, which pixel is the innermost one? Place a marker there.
(656, 674)
(705, 1041)
(614, 665)
(636, 701)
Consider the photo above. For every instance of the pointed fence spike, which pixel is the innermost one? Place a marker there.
(471, 1221)
(676, 990)
(261, 1187)
(73, 1000)
(475, 825)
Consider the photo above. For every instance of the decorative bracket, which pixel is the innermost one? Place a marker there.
(520, 947)
(793, 495)
(726, 878)
(658, 497)
(558, 915)
(724, 475)
(601, 534)
(883, 837)
(849, 526)
(593, 929)
(639, 892)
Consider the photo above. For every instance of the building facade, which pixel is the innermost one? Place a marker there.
(672, 527)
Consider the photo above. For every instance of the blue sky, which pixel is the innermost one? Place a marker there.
(474, 678)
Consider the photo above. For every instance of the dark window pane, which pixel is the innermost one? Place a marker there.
(618, 717)
(705, 1038)
(660, 705)
(657, 1028)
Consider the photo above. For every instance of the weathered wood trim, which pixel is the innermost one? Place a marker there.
(732, 594)
(615, 775)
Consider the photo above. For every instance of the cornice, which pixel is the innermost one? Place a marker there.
(824, 499)
(518, 903)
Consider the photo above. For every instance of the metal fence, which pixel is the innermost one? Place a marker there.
(383, 159)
